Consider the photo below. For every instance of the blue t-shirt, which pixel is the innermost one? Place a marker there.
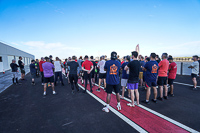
(124, 73)
(152, 71)
(142, 63)
(32, 68)
(113, 67)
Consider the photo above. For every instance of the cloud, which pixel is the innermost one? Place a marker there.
(41, 49)
(15, 43)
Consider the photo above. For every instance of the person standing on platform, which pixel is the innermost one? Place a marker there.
(48, 75)
(21, 65)
(14, 68)
(73, 75)
(87, 67)
(134, 68)
(58, 71)
(194, 71)
(41, 70)
(112, 80)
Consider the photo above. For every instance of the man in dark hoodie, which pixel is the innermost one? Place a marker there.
(14, 68)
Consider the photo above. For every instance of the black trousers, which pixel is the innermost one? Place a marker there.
(73, 78)
(60, 76)
(42, 77)
(87, 77)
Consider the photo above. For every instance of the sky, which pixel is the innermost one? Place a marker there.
(65, 28)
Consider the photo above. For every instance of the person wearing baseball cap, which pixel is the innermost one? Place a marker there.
(194, 70)
(112, 80)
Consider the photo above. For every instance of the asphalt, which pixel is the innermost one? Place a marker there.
(23, 109)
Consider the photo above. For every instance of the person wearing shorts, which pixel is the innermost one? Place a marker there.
(162, 76)
(14, 68)
(112, 79)
(134, 68)
(151, 71)
(102, 72)
(33, 69)
(87, 67)
(171, 75)
(21, 66)
(194, 71)
(48, 75)
(125, 76)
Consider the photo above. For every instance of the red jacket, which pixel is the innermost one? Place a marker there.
(40, 65)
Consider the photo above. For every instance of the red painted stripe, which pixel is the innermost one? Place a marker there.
(143, 118)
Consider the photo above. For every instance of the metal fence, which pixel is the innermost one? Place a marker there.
(182, 68)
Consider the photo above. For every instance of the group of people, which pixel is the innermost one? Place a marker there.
(114, 74)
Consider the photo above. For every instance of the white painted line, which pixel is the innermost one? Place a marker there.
(184, 84)
(162, 116)
(131, 123)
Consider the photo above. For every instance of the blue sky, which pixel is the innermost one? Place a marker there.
(97, 27)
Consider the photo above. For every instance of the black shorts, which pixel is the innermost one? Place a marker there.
(193, 75)
(151, 84)
(102, 75)
(92, 74)
(162, 81)
(22, 70)
(50, 79)
(110, 88)
(170, 81)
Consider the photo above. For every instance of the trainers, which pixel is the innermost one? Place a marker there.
(146, 102)
(91, 90)
(194, 89)
(155, 101)
(105, 109)
(166, 97)
(54, 92)
(98, 90)
(119, 107)
(44, 93)
(171, 95)
(160, 98)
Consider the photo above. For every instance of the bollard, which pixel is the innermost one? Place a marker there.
(181, 68)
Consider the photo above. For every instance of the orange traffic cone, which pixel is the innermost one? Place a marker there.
(3, 71)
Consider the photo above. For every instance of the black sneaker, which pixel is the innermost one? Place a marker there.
(146, 102)
(160, 98)
(78, 90)
(91, 90)
(98, 90)
(166, 97)
(63, 84)
(155, 101)
(194, 89)
(171, 95)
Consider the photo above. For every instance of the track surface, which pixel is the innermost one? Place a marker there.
(24, 109)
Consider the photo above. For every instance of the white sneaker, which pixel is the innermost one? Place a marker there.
(54, 92)
(44, 93)
(105, 109)
(119, 107)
